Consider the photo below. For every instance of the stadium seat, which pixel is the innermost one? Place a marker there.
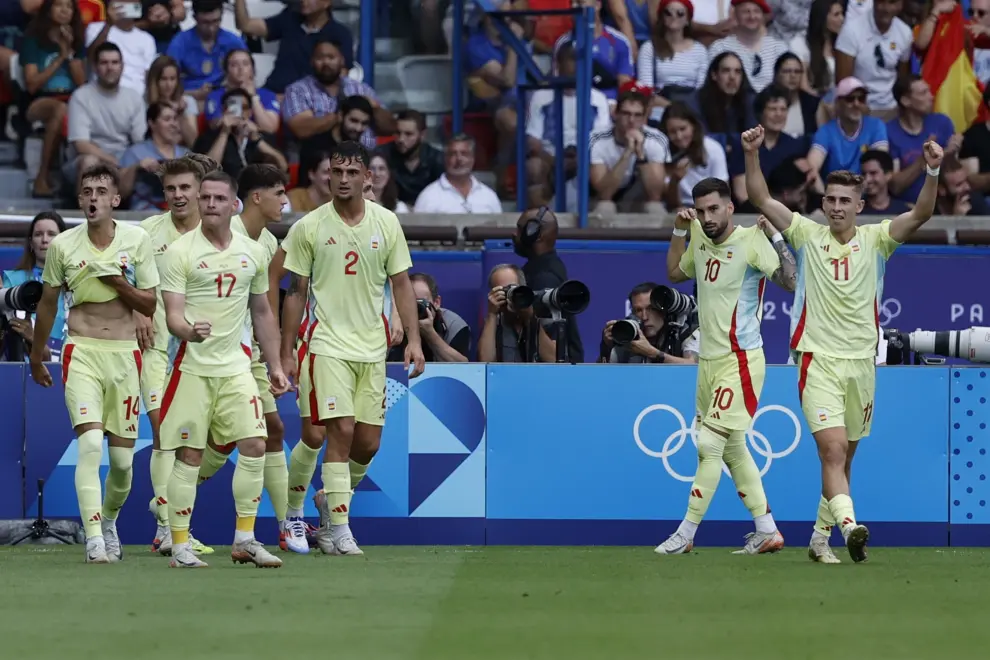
(973, 237)
(930, 237)
(264, 64)
(426, 81)
(481, 233)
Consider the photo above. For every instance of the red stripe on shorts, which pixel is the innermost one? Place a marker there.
(388, 334)
(137, 359)
(749, 394)
(246, 349)
(799, 328)
(66, 359)
(803, 374)
(314, 409)
(173, 382)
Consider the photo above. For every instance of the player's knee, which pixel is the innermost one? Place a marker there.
(252, 447)
(121, 458)
(313, 436)
(276, 431)
(90, 442)
(341, 430)
(711, 444)
(832, 454)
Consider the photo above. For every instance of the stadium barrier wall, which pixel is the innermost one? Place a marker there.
(560, 455)
(930, 287)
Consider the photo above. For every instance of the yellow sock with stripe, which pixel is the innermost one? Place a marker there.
(841, 508)
(90, 451)
(825, 521)
(212, 462)
(302, 467)
(249, 480)
(118, 482)
(710, 448)
(357, 472)
(749, 484)
(277, 482)
(337, 486)
(181, 496)
(161, 470)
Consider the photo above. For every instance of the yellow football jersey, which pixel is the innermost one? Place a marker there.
(269, 244)
(350, 267)
(163, 233)
(730, 287)
(217, 285)
(839, 288)
(75, 264)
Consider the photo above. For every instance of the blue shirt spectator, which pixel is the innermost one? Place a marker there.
(638, 14)
(200, 51)
(839, 144)
(148, 192)
(914, 125)
(484, 58)
(612, 61)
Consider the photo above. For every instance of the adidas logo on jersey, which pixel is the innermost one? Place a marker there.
(161, 250)
(825, 247)
(261, 425)
(202, 265)
(81, 264)
(331, 241)
(131, 429)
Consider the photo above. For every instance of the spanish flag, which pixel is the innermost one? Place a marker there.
(948, 71)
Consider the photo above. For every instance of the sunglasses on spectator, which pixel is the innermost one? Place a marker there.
(978, 13)
(674, 13)
(855, 98)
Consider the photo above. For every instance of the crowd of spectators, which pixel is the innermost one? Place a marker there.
(834, 83)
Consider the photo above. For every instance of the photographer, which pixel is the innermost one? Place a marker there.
(446, 336)
(512, 335)
(657, 340)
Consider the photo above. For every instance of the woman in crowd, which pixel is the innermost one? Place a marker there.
(41, 232)
(694, 155)
(672, 62)
(140, 162)
(313, 190)
(724, 104)
(165, 85)
(239, 69)
(386, 192)
(52, 55)
(817, 48)
(802, 106)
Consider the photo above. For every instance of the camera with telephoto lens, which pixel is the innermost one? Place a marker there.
(423, 308)
(21, 298)
(672, 302)
(972, 344)
(625, 331)
(568, 299)
(518, 297)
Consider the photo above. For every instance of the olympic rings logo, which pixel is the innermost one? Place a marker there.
(889, 310)
(676, 440)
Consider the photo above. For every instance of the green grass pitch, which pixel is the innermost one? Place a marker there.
(498, 602)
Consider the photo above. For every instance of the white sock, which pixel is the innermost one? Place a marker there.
(687, 529)
(818, 533)
(242, 537)
(340, 531)
(293, 513)
(765, 523)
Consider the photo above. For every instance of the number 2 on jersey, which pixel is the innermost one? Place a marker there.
(840, 269)
(230, 286)
(350, 267)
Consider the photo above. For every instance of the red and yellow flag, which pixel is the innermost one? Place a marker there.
(948, 70)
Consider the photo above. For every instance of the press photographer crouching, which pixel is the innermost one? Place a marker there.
(446, 336)
(512, 335)
(662, 329)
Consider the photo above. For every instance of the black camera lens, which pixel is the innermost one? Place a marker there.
(624, 331)
(24, 297)
(519, 297)
(423, 307)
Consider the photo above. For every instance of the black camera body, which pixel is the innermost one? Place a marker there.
(568, 299)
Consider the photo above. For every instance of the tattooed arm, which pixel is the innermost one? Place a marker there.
(786, 276)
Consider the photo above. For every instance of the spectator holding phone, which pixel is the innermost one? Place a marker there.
(137, 47)
(236, 141)
(238, 68)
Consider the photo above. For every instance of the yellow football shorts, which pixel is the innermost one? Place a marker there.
(837, 392)
(341, 388)
(729, 389)
(260, 372)
(229, 408)
(102, 379)
(153, 378)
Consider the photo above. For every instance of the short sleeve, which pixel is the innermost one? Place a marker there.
(687, 259)
(821, 140)
(259, 283)
(800, 231)
(762, 256)
(847, 41)
(145, 269)
(692, 344)
(656, 149)
(597, 151)
(398, 259)
(54, 273)
(129, 157)
(878, 135)
(298, 247)
(623, 59)
(885, 243)
(174, 272)
(645, 65)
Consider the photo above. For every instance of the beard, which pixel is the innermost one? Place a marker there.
(326, 77)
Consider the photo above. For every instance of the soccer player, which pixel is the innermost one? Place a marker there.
(109, 273)
(350, 248)
(834, 323)
(213, 278)
(180, 179)
(731, 265)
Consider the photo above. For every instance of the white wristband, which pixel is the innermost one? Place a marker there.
(776, 238)
(681, 233)
(933, 172)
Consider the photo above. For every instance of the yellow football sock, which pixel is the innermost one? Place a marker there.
(277, 482)
(357, 473)
(249, 480)
(841, 508)
(745, 474)
(825, 521)
(710, 448)
(88, 492)
(161, 470)
(181, 494)
(337, 486)
(118, 482)
(302, 466)
(212, 462)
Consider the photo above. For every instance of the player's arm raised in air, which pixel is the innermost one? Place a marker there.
(678, 246)
(786, 275)
(756, 185)
(906, 224)
(267, 334)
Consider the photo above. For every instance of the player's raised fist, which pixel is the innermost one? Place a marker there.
(684, 218)
(201, 330)
(933, 154)
(752, 139)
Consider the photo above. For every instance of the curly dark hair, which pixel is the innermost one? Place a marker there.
(42, 25)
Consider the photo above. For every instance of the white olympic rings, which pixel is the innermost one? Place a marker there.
(889, 310)
(676, 440)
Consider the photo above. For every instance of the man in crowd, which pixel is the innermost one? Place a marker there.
(413, 163)
(137, 46)
(457, 190)
(446, 336)
(510, 334)
(200, 50)
(612, 63)
(656, 341)
(878, 170)
(839, 144)
(955, 193)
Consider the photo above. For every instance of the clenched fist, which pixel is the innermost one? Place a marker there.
(933, 154)
(752, 139)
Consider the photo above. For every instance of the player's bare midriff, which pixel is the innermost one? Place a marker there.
(106, 320)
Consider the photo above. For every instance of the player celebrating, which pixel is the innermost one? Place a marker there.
(731, 367)
(212, 279)
(180, 179)
(109, 272)
(834, 323)
(350, 248)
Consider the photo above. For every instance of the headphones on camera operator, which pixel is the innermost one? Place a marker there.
(533, 228)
